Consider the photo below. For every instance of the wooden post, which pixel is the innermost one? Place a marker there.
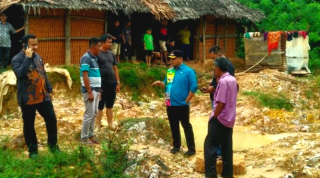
(225, 37)
(204, 37)
(106, 22)
(26, 22)
(68, 39)
(217, 31)
(198, 41)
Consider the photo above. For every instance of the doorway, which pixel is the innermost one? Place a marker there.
(15, 16)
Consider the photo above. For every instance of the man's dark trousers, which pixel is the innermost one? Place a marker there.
(5, 54)
(181, 114)
(127, 50)
(45, 109)
(218, 134)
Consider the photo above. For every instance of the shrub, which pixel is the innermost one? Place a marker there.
(278, 101)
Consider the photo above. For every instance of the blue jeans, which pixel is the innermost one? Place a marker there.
(185, 49)
(4, 53)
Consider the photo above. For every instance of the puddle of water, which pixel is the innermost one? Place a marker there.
(241, 139)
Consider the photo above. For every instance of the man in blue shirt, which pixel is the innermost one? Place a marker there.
(180, 85)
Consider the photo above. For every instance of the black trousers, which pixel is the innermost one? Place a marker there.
(127, 50)
(218, 134)
(177, 114)
(5, 54)
(45, 109)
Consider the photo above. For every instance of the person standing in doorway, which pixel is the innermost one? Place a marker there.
(148, 45)
(180, 85)
(163, 42)
(126, 36)
(34, 94)
(90, 89)
(5, 42)
(116, 38)
(221, 122)
(110, 84)
(184, 36)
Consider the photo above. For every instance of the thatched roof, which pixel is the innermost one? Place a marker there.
(128, 6)
(168, 9)
(219, 8)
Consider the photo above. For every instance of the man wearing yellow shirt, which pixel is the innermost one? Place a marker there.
(184, 37)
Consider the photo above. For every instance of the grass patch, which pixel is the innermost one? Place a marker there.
(137, 78)
(81, 162)
(278, 101)
(309, 93)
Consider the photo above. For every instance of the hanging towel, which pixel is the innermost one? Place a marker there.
(273, 41)
(303, 34)
(247, 35)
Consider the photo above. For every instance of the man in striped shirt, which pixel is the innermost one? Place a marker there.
(90, 89)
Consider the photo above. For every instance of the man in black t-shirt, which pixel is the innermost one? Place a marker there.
(116, 38)
(216, 52)
(126, 37)
(110, 81)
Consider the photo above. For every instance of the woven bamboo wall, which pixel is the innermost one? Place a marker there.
(78, 48)
(52, 52)
(86, 28)
(44, 27)
(47, 28)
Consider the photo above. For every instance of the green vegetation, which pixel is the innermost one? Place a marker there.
(314, 62)
(276, 101)
(2, 70)
(309, 93)
(135, 78)
(138, 79)
(81, 162)
(74, 72)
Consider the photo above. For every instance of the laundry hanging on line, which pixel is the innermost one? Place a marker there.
(273, 41)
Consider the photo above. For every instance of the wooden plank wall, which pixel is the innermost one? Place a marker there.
(226, 35)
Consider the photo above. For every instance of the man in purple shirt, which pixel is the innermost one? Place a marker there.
(221, 122)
